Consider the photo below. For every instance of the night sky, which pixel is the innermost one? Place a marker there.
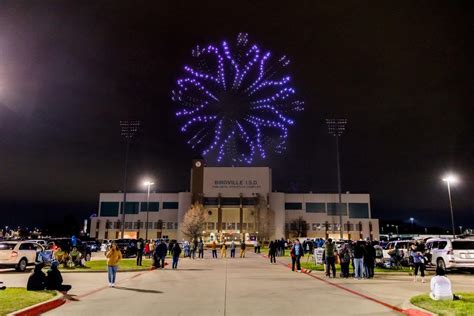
(401, 72)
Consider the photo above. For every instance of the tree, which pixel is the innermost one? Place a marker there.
(194, 221)
(298, 227)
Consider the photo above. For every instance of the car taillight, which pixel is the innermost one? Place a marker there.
(14, 254)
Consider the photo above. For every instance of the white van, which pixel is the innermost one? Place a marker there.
(449, 253)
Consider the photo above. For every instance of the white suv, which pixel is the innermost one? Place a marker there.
(450, 253)
(18, 254)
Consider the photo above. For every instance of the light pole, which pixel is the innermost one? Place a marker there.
(148, 184)
(412, 230)
(451, 179)
(128, 129)
(336, 128)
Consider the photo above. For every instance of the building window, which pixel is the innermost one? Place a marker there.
(244, 226)
(231, 226)
(314, 226)
(152, 206)
(97, 224)
(117, 225)
(223, 225)
(349, 227)
(315, 207)
(249, 201)
(293, 206)
(175, 225)
(158, 225)
(108, 224)
(358, 210)
(109, 208)
(149, 224)
(132, 207)
(170, 205)
(169, 225)
(333, 208)
(230, 201)
(128, 225)
(210, 226)
(210, 201)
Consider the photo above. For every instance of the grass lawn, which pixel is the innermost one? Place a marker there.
(16, 298)
(101, 265)
(465, 306)
(320, 267)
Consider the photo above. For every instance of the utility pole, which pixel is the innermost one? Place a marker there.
(128, 129)
(336, 128)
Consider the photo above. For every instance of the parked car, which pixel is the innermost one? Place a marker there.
(403, 245)
(105, 245)
(94, 245)
(128, 247)
(39, 241)
(449, 253)
(18, 254)
(66, 245)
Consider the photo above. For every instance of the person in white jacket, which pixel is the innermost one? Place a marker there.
(441, 287)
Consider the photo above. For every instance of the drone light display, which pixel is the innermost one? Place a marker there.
(236, 102)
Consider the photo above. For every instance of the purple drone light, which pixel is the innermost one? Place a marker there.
(235, 103)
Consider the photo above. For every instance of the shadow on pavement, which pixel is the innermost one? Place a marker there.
(137, 290)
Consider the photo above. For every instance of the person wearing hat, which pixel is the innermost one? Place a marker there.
(54, 280)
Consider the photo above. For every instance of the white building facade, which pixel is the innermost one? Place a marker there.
(240, 204)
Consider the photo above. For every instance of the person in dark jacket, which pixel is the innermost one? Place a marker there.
(140, 246)
(159, 255)
(369, 260)
(54, 280)
(37, 279)
(176, 251)
(330, 258)
(272, 249)
(296, 253)
(359, 259)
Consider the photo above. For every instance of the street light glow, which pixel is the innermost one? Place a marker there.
(450, 178)
(147, 183)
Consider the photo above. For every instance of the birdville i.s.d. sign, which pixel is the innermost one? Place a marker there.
(234, 181)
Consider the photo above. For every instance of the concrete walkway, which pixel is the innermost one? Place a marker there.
(249, 286)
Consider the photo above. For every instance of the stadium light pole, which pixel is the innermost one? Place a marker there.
(128, 129)
(148, 184)
(336, 128)
(412, 230)
(451, 179)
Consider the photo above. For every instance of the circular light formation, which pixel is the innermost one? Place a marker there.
(236, 102)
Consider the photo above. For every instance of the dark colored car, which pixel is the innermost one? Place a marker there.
(94, 245)
(128, 247)
(66, 245)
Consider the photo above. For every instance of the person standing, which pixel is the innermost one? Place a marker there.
(224, 250)
(345, 258)
(330, 255)
(296, 253)
(160, 254)
(242, 249)
(214, 249)
(139, 252)
(272, 248)
(419, 262)
(176, 251)
(359, 260)
(232, 249)
(369, 260)
(113, 257)
(192, 250)
(201, 249)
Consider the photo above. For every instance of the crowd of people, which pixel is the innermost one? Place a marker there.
(361, 255)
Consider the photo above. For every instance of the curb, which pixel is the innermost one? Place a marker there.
(42, 307)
